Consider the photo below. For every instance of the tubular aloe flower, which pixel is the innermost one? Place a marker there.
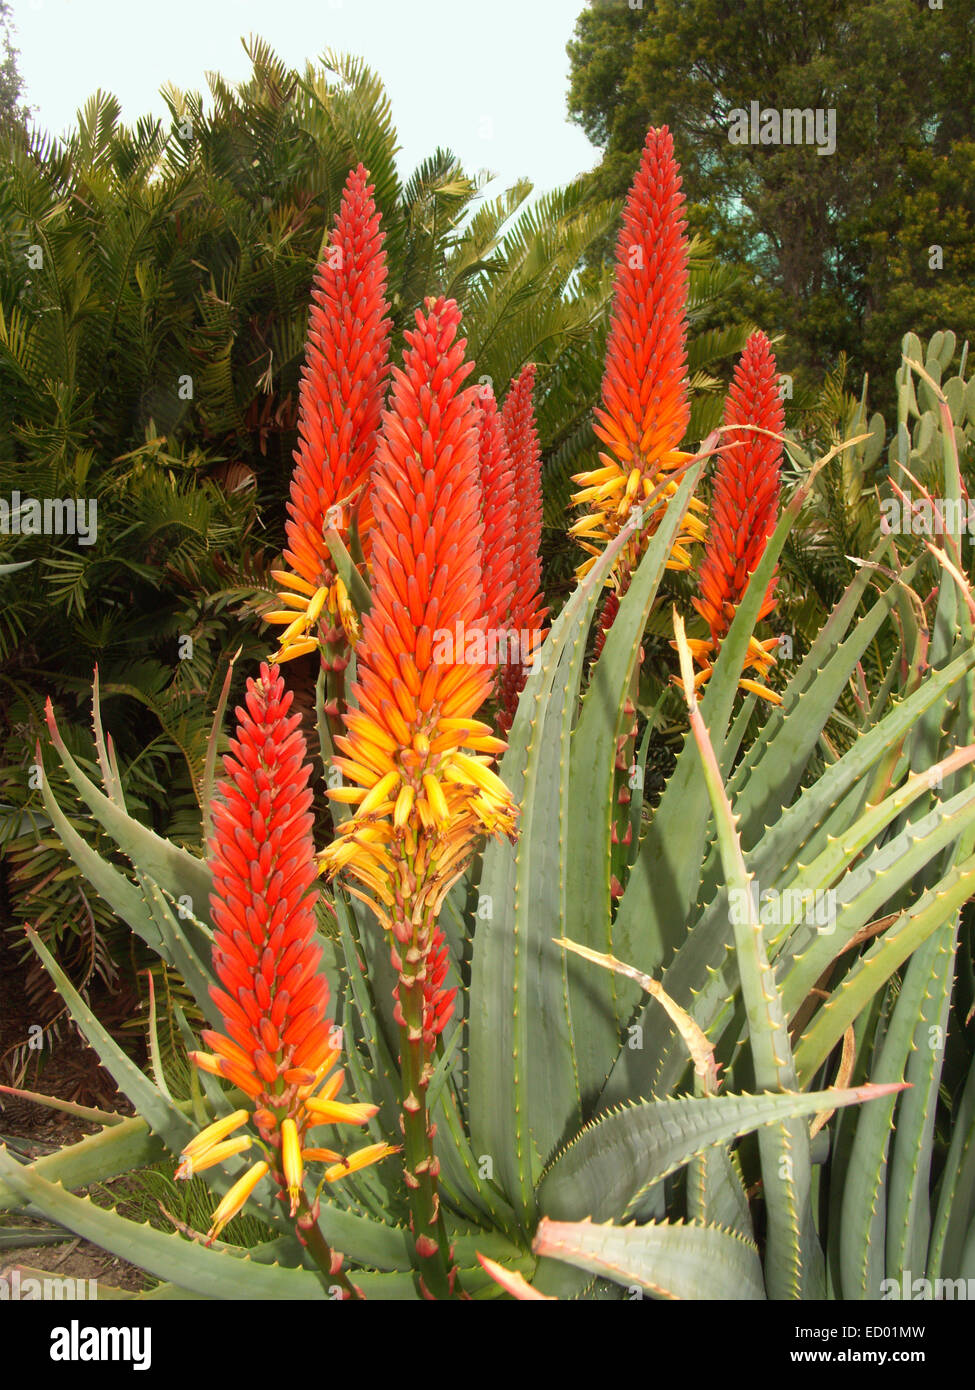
(645, 409)
(343, 387)
(744, 508)
(526, 613)
(424, 790)
(279, 1046)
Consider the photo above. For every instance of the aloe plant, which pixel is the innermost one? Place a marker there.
(604, 1080)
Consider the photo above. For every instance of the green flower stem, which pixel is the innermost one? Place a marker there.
(329, 1261)
(434, 1264)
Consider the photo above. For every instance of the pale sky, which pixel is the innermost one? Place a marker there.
(487, 80)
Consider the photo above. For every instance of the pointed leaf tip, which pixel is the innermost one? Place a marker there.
(512, 1282)
(873, 1090)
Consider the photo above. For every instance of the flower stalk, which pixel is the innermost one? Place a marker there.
(645, 410)
(744, 510)
(526, 612)
(278, 1046)
(416, 760)
(343, 387)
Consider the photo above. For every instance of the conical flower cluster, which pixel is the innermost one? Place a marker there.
(744, 509)
(498, 514)
(418, 759)
(343, 388)
(526, 614)
(645, 411)
(278, 1045)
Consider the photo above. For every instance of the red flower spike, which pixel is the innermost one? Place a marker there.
(254, 837)
(499, 514)
(527, 613)
(343, 387)
(421, 797)
(279, 1044)
(645, 409)
(744, 504)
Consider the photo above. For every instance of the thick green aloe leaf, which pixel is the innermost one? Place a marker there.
(765, 780)
(759, 801)
(716, 1192)
(465, 1175)
(792, 831)
(697, 976)
(602, 1003)
(119, 1148)
(663, 886)
(597, 1014)
(109, 1293)
(468, 1244)
(163, 1116)
(860, 895)
(89, 1113)
(863, 1214)
(904, 936)
(822, 872)
(617, 1157)
(208, 1272)
(220, 1100)
(871, 889)
(106, 763)
(667, 1259)
(874, 886)
(869, 1199)
(177, 871)
(122, 896)
(794, 1265)
(523, 1088)
(162, 1293)
(23, 1237)
(842, 1132)
(736, 734)
(192, 963)
(361, 989)
(955, 1207)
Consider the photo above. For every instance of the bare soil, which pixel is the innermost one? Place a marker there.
(68, 1069)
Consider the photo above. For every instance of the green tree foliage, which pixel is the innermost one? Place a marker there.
(12, 108)
(832, 244)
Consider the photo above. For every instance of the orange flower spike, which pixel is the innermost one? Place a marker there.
(343, 387)
(527, 613)
(744, 505)
(421, 667)
(279, 1042)
(264, 953)
(499, 514)
(645, 410)
(423, 673)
